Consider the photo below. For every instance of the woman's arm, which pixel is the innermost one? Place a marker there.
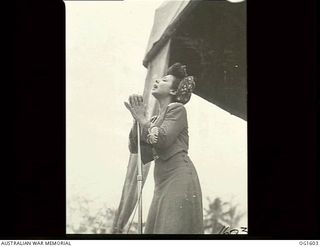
(146, 148)
(133, 140)
(175, 120)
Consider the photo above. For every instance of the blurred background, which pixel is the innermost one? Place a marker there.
(105, 46)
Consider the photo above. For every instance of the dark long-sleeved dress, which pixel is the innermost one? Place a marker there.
(176, 206)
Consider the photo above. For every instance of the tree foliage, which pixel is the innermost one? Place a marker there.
(82, 219)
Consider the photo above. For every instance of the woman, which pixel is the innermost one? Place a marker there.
(176, 206)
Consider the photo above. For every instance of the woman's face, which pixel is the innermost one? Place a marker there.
(162, 87)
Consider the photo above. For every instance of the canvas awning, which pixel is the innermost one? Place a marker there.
(166, 20)
(210, 38)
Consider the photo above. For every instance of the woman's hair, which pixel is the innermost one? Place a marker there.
(179, 71)
(183, 83)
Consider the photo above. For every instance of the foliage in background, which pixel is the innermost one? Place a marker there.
(84, 219)
(219, 215)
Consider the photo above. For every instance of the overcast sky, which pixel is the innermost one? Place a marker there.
(106, 43)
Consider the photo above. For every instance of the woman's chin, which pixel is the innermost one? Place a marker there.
(154, 93)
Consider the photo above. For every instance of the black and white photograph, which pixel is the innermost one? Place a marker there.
(156, 117)
(137, 121)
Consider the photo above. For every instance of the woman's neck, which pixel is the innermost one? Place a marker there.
(163, 103)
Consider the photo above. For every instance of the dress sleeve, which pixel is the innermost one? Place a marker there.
(146, 148)
(133, 138)
(165, 134)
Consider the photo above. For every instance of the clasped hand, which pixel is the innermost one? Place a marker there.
(137, 108)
